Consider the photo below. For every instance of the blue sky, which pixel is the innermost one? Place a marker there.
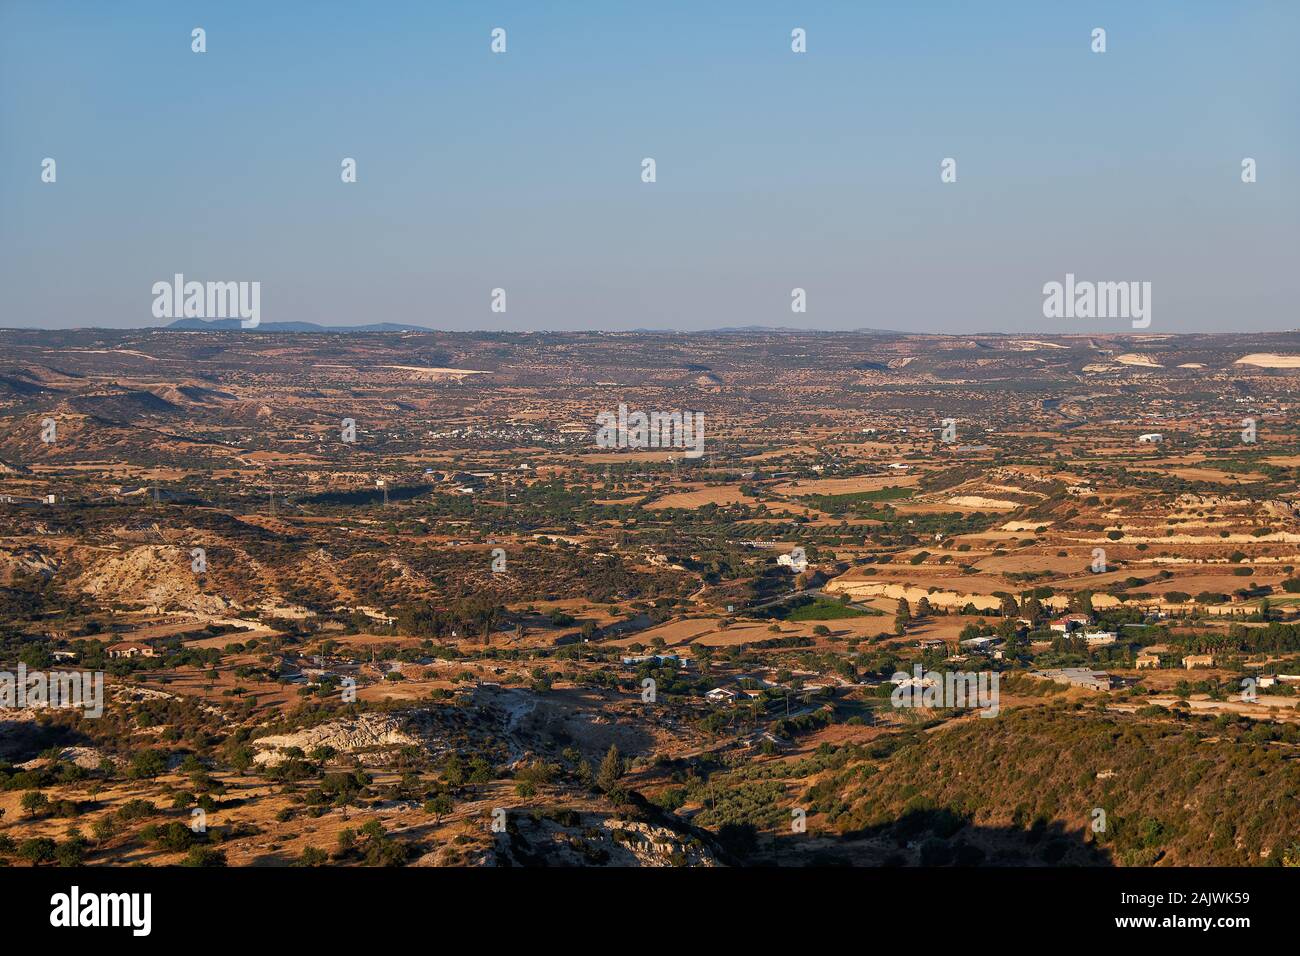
(775, 170)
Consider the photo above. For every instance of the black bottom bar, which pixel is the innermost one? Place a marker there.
(354, 904)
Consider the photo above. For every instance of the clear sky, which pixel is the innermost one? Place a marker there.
(775, 170)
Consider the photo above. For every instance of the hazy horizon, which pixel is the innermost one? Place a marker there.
(269, 327)
(775, 170)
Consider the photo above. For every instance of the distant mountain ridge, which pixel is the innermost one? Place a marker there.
(228, 325)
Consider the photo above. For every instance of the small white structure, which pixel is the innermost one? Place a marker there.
(1151, 438)
(980, 645)
(919, 683)
(1100, 638)
(795, 561)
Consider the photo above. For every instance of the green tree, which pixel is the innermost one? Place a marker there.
(611, 769)
(313, 856)
(147, 764)
(439, 806)
(35, 802)
(38, 850)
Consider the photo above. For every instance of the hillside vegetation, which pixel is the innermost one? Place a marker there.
(1173, 792)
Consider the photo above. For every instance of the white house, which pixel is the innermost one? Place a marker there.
(1151, 438)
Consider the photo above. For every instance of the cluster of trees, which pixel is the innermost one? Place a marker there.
(1272, 638)
(474, 616)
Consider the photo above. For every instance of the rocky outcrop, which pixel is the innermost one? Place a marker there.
(349, 735)
(572, 838)
(25, 562)
(87, 758)
(152, 575)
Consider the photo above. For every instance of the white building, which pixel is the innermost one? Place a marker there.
(981, 645)
(919, 683)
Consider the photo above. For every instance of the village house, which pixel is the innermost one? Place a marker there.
(1100, 638)
(1145, 661)
(1077, 677)
(130, 649)
(1064, 625)
(1198, 660)
(980, 645)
